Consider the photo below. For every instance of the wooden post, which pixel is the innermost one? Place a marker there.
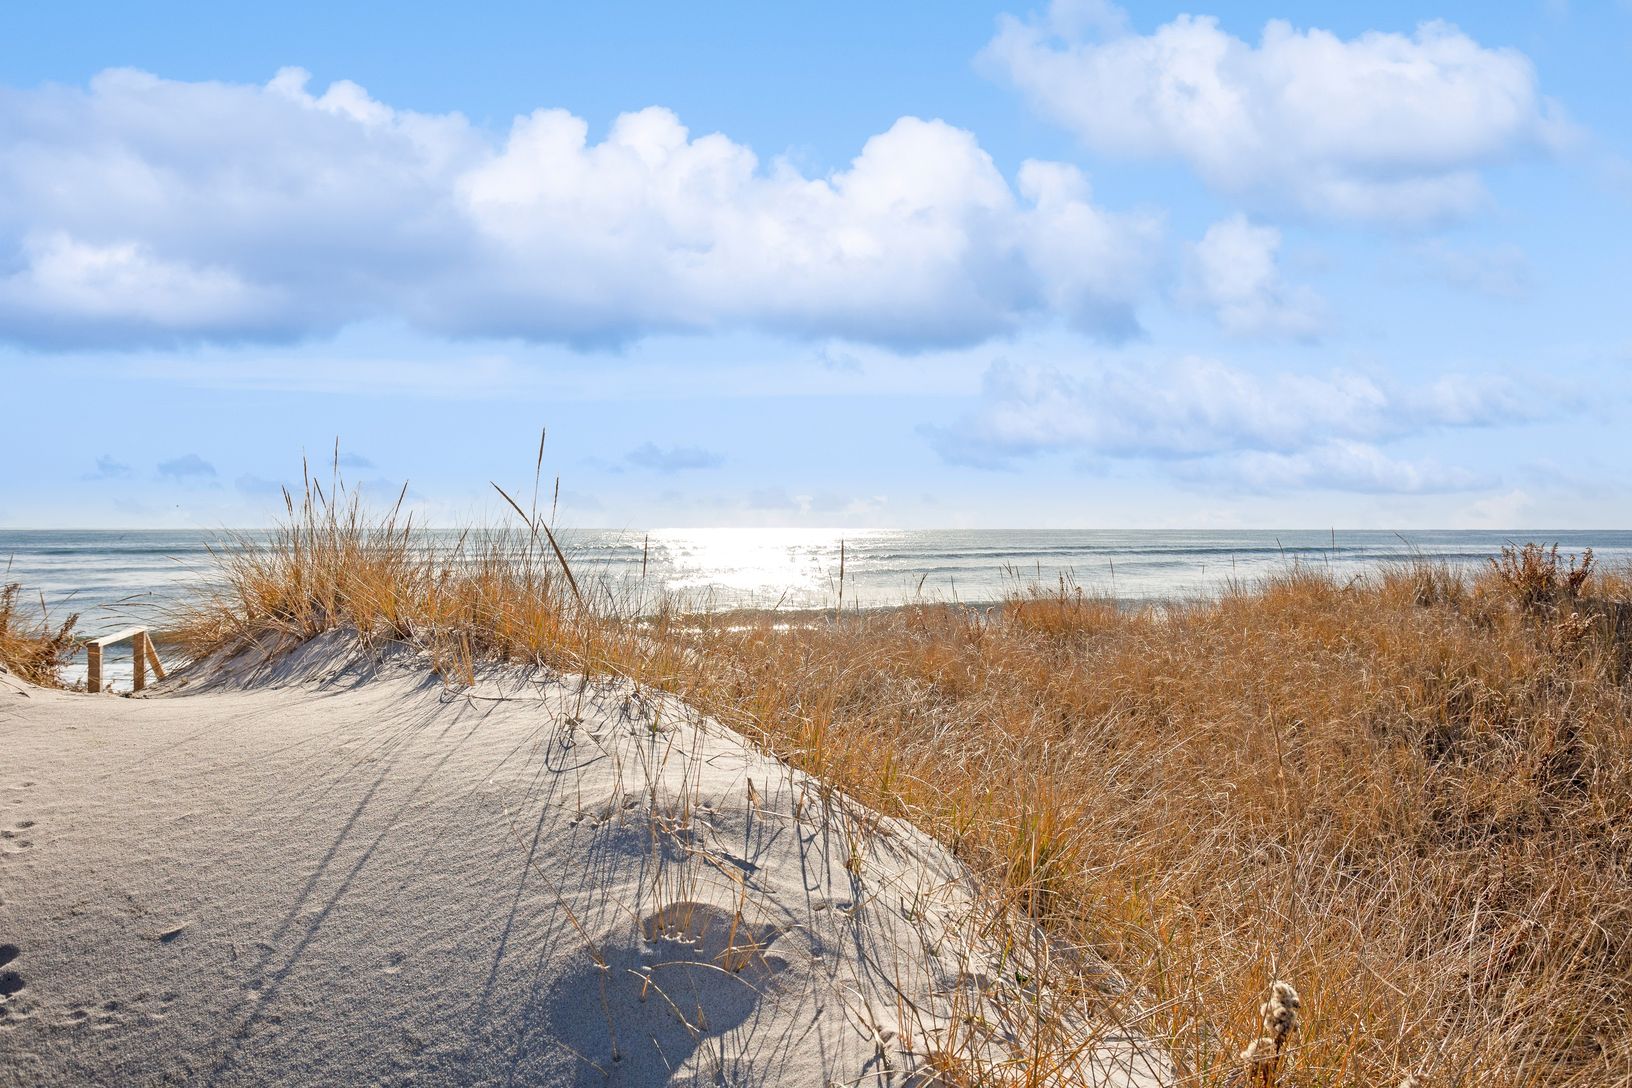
(138, 659)
(142, 655)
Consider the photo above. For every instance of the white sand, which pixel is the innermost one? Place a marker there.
(347, 875)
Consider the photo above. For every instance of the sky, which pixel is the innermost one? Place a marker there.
(907, 265)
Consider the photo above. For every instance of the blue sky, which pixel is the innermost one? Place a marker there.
(893, 265)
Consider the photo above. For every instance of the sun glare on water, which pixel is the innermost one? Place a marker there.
(801, 565)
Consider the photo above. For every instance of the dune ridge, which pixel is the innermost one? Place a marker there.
(331, 867)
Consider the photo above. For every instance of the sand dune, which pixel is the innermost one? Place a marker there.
(341, 872)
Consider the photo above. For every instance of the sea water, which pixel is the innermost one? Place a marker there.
(114, 578)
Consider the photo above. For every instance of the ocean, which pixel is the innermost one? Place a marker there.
(114, 578)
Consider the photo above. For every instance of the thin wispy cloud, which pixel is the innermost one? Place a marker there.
(109, 468)
(1336, 466)
(673, 458)
(1501, 272)
(456, 376)
(826, 503)
(257, 486)
(189, 466)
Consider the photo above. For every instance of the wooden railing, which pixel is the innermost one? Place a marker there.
(141, 651)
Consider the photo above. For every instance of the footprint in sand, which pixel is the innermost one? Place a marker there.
(10, 981)
(12, 840)
(690, 974)
(103, 1017)
(113, 1013)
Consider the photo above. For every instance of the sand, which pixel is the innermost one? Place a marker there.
(340, 871)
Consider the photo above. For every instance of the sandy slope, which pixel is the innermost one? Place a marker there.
(338, 875)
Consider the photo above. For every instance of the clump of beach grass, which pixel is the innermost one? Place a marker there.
(1412, 790)
(30, 645)
(1535, 575)
(1278, 1019)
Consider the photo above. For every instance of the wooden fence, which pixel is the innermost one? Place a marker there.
(142, 652)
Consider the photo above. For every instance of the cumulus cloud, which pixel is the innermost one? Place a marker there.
(1232, 272)
(1382, 126)
(189, 466)
(673, 459)
(1210, 421)
(140, 210)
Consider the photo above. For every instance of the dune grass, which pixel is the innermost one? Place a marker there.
(1410, 794)
(29, 645)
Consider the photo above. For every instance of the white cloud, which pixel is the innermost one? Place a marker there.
(147, 211)
(1232, 272)
(63, 281)
(1333, 466)
(1212, 422)
(1382, 126)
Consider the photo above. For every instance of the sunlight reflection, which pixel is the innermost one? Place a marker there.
(802, 563)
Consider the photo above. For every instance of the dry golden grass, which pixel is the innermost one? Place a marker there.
(1410, 794)
(29, 645)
